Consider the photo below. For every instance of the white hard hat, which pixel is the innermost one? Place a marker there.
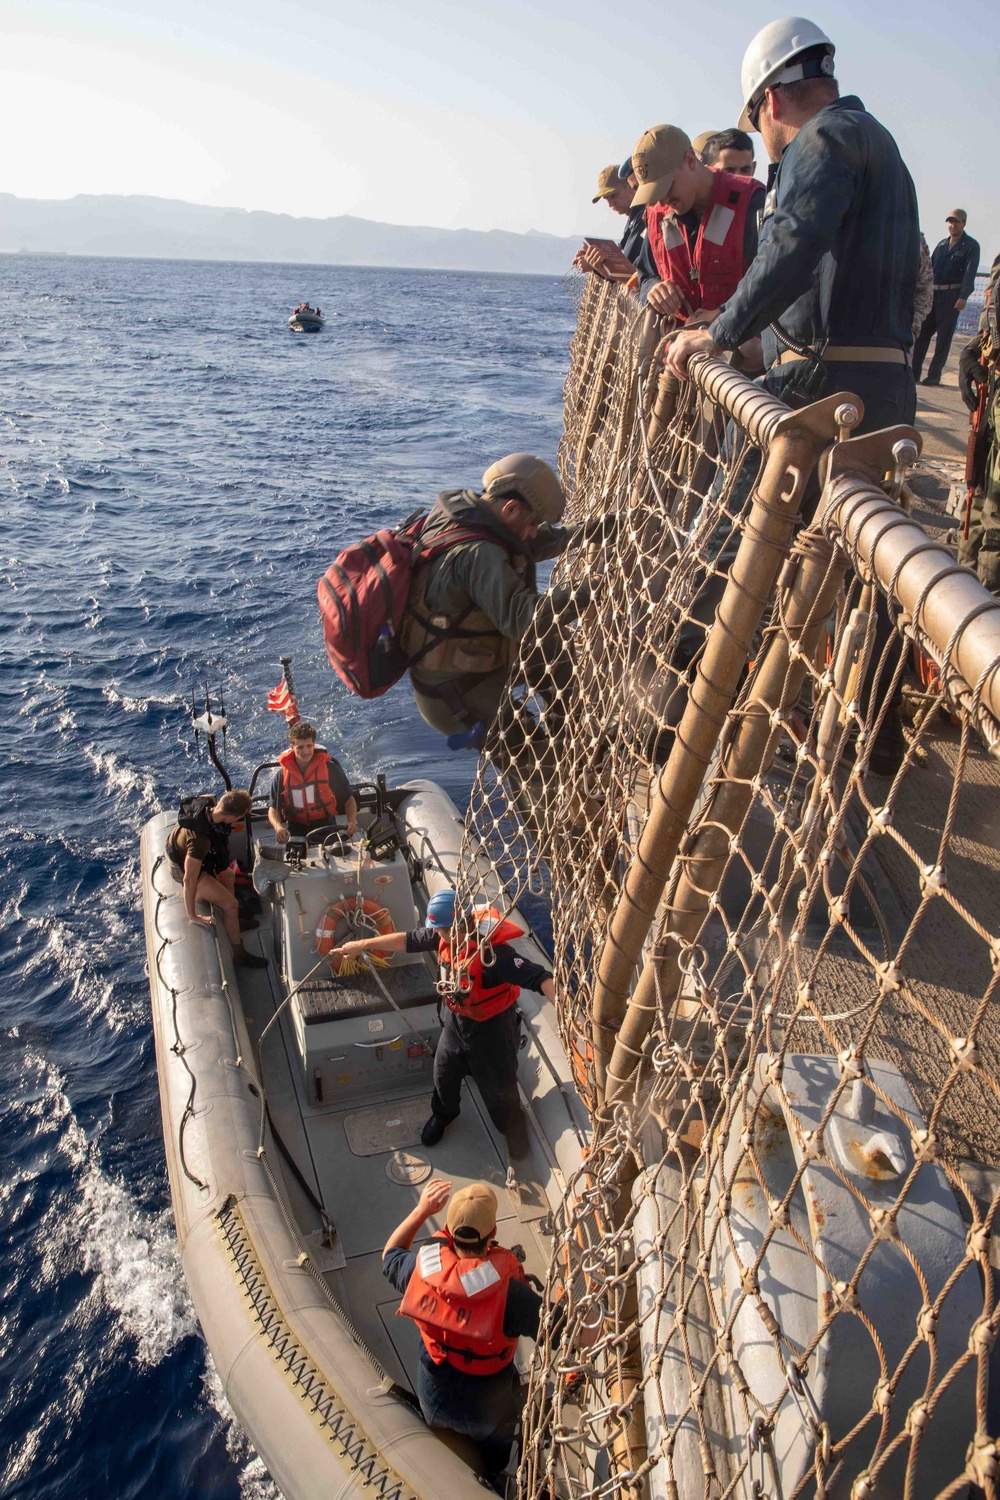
(765, 62)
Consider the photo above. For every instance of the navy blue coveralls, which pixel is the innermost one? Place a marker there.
(955, 268)
(634, 238)
(837, 260)
(486, 1050)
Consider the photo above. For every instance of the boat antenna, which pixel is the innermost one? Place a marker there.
(286, 672)
(211, 725)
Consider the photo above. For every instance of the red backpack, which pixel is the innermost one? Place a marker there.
(362, 601)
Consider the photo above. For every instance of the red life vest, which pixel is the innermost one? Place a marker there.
(473, 999)
(458, 1304)
(708, 274)
(306, 796)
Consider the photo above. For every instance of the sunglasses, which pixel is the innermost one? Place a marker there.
(953, 221)
(754, 111)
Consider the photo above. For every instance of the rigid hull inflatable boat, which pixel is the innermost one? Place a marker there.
(306, 321)
(292, 1103)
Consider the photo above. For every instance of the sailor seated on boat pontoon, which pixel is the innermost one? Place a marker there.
(309, 789)
(470, 1301)
(198, 852)
(481, 1033)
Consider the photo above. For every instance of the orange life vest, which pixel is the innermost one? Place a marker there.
(472, 998)
(458, 1304)
(708, 272)
(306, 796)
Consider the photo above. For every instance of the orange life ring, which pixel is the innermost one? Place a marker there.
(337, 912)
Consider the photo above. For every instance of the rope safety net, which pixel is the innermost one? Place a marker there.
(774, 969)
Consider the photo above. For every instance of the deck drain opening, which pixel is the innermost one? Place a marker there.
(408, 1168)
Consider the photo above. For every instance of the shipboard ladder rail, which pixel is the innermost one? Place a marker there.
(341, 1426)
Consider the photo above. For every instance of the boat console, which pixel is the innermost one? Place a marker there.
(357, 1032)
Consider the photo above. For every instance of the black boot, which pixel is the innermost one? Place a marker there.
(889, 745)
(433, 1130)
(244, 960)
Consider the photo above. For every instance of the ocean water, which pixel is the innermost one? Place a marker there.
(177, 469)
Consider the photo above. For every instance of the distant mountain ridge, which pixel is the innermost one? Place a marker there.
(172, 229)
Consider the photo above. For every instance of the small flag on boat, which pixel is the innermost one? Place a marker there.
(280, 700)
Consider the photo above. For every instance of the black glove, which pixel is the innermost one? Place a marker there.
(600, 529)
(568, 602)
(971, 374)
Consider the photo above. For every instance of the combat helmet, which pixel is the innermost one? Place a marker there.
(529, 479)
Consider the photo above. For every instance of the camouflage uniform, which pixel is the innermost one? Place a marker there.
(991, 292)
(980, 364)
(923, 299)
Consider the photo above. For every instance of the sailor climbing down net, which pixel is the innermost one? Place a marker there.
(774, 969)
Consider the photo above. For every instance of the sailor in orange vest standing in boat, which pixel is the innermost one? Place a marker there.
(701, 225)
(481, 1034)
(471, 1303)
(309, 788)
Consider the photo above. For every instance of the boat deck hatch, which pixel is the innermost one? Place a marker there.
(360, 995)
(386, 1127)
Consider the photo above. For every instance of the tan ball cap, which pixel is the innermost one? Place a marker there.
(472, 1213)
(531, 480)
(655, 161)
(607, 183)
(701, 141)
(959, 213)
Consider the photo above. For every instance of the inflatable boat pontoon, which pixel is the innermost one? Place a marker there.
(292, 1103)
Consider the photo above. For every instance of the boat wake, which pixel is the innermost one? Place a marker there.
(130, 1254)
(113, 1260)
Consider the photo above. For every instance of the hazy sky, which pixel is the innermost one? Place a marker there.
(454, 114)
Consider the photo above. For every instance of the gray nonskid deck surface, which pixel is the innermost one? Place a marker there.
(356, 1191)
(367, 1206)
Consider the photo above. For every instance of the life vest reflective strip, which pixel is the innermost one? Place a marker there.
(709, 274)
(464, 643)
(306, 797)
(473, 999)
(458, 1304)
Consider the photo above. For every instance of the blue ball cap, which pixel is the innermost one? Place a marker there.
(625, 168)
(441, 909)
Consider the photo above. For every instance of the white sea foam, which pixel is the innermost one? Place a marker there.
(99, 984)
(122, 778)
(135, 1276)
(136, 1261)
(137, 705)
(131, 1254)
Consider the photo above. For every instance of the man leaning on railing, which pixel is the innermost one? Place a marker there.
(832, 286)
(831, 289)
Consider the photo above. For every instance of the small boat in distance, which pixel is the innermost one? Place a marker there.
(306, 319)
